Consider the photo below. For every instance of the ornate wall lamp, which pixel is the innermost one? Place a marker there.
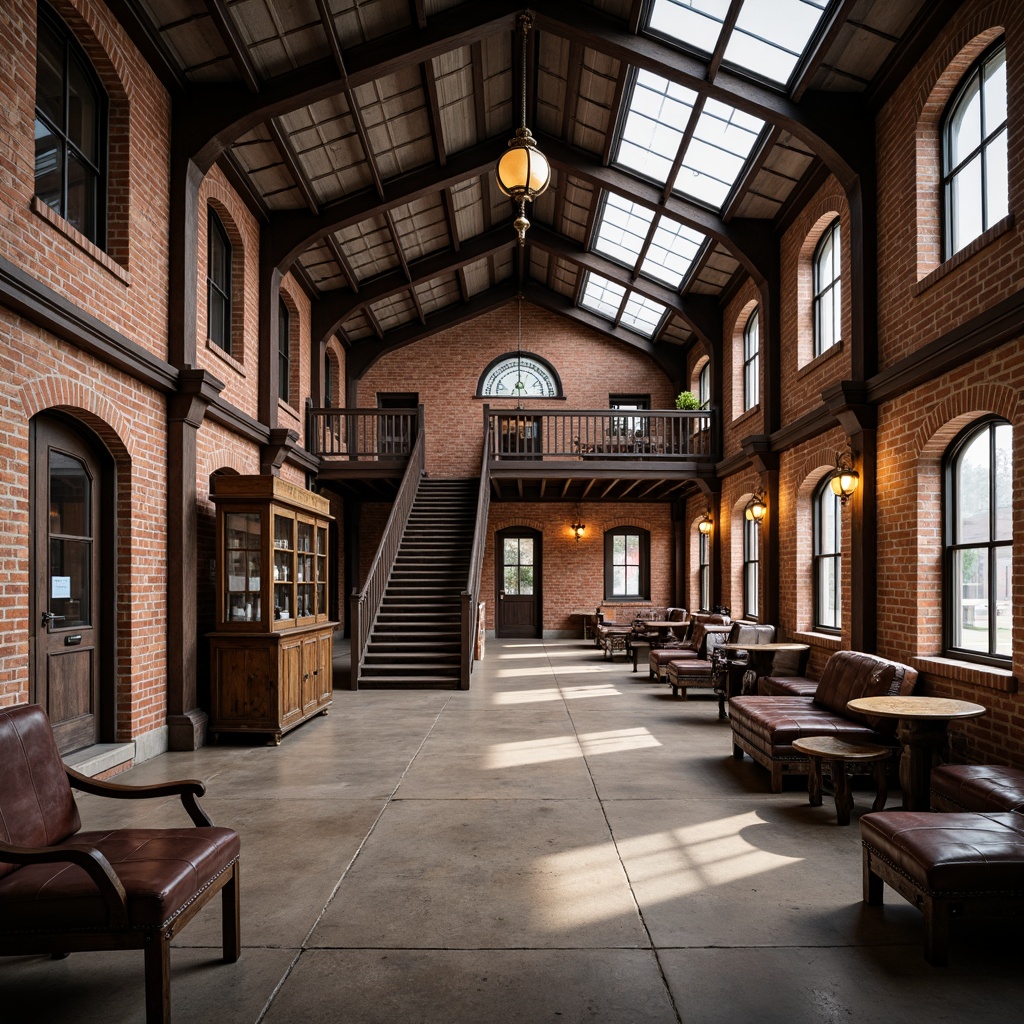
(523, 172)
(578, 526)
(706, 524)
(755, 509)
(845, 479)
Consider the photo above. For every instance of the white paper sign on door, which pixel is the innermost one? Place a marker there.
(60, 586)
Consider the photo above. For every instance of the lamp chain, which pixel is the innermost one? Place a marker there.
(524, 21)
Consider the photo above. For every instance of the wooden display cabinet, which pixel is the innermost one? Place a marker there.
(270, 654)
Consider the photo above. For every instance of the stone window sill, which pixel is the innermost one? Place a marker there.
(747, 414)
(829, 641)
(73, 235)
(817, 361)
(1001, 227)
(988, 676)
(226, 357)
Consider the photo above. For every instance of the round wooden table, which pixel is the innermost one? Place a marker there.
(922, 732)
(664, 628)
(838, 753)
(759, 663)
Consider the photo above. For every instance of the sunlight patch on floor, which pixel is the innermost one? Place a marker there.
(562, 748)
(617, 741)
(663, 866)
(554, 693)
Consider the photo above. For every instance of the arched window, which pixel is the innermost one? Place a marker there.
(974, 164)
(828, 560)
(70, 130)
(704, 570)
(979, 541)
(751, 567)
(328, 381)
(827, 290)
(284, 351)
(218, 283)
(704, 385)
(627, 564)
(751, 362)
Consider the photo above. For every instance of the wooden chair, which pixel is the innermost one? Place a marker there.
(64, 891)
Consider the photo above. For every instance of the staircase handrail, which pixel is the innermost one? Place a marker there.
(365, 604)
(470, 604)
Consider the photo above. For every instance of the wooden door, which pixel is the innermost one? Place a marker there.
(66, 622)
(290, 679)
(518, 582)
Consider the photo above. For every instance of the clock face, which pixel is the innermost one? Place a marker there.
(516, 377)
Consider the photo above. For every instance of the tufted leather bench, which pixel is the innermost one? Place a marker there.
(977, 787)
(766, 726)
(691, 647)
(959, 863)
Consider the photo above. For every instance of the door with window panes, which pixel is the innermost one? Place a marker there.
(518, 582)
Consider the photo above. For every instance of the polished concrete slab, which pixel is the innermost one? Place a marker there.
(563, 842)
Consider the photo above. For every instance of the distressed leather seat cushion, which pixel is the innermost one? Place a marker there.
(979, 787)
(161, 870)
(777, 721)
(946, 854)
(690, 672)
(786, 686)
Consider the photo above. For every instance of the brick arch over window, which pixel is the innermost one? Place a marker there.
(221, 205)
(749, 309)
(221, 459)
(933, 438)
(335, 356)
(86, 22)
(955, 60)
(821, 214)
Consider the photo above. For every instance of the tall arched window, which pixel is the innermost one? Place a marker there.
(979, 541)
(828, 298)
(70, 130)
(828, 560)
(704, 385)
(218, 283)
(974, 163)
(751, 567)
(704, 570)
(284, 351)
(751, 362)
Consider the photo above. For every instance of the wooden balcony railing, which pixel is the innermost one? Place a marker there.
(362, 434)
(651, 434)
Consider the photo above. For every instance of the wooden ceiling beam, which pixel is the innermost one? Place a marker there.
(291, 161)
(218, 11)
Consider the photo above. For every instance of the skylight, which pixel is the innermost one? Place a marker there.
(715, 156)
(602, 296)
(642, 314)
(622, 229)
(672, 251)
(768, 40)
(658, 113)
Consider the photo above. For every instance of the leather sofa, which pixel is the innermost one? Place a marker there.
(704, 672)
(766, 726)
(690, 645)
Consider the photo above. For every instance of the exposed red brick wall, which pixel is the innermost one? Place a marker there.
(591, 367)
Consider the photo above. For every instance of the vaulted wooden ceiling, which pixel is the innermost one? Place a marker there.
(680, 132)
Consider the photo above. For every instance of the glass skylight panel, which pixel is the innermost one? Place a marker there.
(642, 314)
(715, 156)
(658, 113)
(769, 38)
(673, 249)
(602, 296)
(697, 24)
(622, 229)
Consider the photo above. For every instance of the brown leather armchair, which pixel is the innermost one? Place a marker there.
(63, 890)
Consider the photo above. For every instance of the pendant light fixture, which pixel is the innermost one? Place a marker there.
(523, 172)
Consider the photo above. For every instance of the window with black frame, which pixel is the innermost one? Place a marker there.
(70, 130)
(627, 557)
(704, 570)
(751, 567)
(974, 153)
(629, 428)
(284, 351)
(828, 299)
(828, 558)
(979, 542)
(218, 283)
(751, 362)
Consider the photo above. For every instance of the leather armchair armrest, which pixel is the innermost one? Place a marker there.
(188, 789)
(89, 860)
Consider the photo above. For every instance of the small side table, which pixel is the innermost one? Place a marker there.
(838, 753)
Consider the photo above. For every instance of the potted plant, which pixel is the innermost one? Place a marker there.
(687, 400)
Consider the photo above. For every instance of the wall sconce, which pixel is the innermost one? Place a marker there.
(706, 524)
(845, 479)
(755, 509)
(578, 526)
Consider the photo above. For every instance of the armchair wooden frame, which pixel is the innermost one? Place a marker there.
(121, 932)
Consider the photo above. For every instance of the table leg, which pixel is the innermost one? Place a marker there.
(881, 785)
(922, 741)
(844, 795)
(814, 782)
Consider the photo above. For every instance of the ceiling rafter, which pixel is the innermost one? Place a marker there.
(827, 33)
(434, 110)
(751, 170)
(342, 260)
(225, 26)
(728, 24)
(291, 160)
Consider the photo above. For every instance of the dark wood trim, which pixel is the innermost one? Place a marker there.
(143, 34)
(244, 186)
(538, 561)
(45, 308)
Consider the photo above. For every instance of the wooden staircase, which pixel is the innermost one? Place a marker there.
(416, 641)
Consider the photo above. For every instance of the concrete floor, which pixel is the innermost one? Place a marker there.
(564, 842)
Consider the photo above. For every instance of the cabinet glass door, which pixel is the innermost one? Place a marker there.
(242, 577)
(321, 570)
(284, 567)
(304, 562)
